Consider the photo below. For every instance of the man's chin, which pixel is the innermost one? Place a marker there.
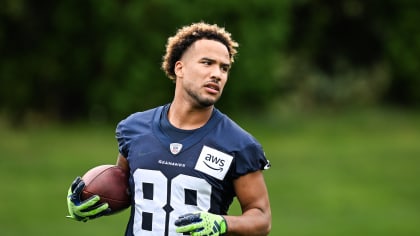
(207, 102)
(204, 101)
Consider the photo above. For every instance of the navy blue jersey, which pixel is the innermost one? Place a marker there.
(170, 177)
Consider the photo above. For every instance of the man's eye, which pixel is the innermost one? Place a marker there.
(206, 63)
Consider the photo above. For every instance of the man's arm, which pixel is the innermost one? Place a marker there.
(253, 197)
(123, 163)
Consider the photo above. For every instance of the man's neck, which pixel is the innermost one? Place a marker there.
(184, 116)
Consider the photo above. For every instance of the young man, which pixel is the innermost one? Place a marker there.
(186, 160)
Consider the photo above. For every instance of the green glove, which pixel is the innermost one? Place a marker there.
(84, 210)
(201, 224)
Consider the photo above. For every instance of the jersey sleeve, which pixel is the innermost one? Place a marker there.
(250, 159)
(123, 139)
(127, 131)
(134, 126)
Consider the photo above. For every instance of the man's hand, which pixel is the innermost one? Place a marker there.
(201, 224)
(84, 210)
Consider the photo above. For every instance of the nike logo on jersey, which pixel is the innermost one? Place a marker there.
(267, 166)
(213, 162)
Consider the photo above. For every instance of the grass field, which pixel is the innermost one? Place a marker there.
(344, 174)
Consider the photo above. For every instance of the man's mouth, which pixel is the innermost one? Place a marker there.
(212, 87)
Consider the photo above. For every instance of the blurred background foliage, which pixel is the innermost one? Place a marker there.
(100, 60)
(70, 69)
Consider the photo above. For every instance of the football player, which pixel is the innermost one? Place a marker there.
(187, 160)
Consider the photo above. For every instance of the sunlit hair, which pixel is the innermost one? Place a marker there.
(186, 36)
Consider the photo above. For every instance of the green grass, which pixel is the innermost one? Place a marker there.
(344, 174)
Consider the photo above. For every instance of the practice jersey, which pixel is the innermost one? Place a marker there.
(169, 177)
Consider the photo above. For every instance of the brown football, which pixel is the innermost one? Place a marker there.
(110, 182)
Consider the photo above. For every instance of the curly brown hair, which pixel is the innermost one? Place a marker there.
(186, 36)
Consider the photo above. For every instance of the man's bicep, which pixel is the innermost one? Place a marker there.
(251, 192)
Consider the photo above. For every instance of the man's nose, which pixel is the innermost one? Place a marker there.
(216, 73)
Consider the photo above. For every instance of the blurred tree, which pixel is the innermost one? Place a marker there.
(101, 60)
(352, 52)
(78, 59)
(401, 37)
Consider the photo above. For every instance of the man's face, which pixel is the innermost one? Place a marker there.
(202, 72)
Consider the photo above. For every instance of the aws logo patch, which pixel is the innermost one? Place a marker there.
(213, 162)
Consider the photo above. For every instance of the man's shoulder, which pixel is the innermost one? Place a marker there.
(139, 120)
(230, 124)
(145, 116)
(233, 131)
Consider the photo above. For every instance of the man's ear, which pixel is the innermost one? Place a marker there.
(178, 69)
